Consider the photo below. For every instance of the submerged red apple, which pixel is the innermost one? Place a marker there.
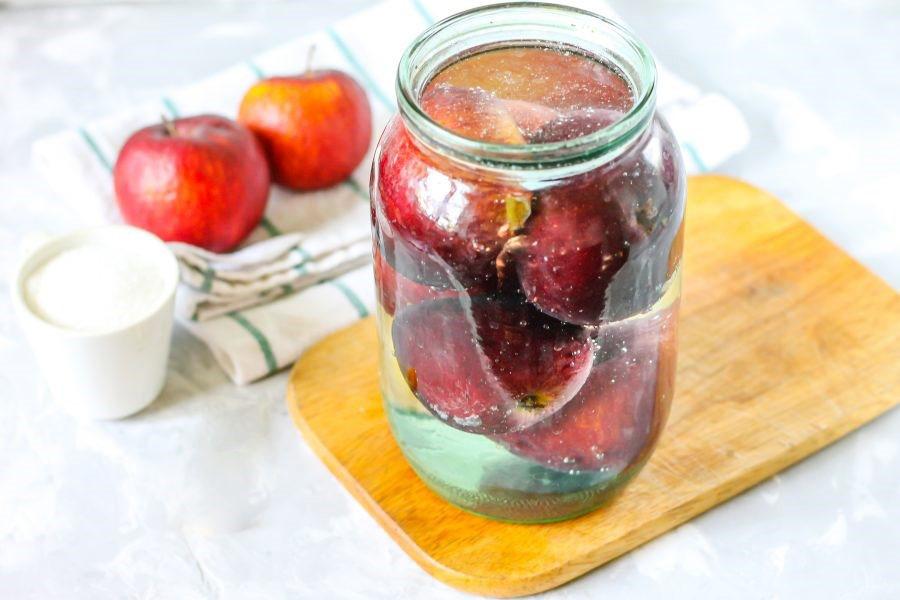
(616, 416)
(572, 246)
(573, 124)
(489, 365)
(471, 113)
(396, 292)
(440, 225)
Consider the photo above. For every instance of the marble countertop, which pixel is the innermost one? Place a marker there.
(175, 503)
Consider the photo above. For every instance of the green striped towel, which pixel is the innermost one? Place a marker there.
(298, 277)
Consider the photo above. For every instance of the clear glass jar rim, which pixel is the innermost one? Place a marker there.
(598, 144)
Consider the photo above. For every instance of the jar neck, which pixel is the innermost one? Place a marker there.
(527, 24)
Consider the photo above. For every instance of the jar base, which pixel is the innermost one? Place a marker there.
(523, 508)
(498, 486)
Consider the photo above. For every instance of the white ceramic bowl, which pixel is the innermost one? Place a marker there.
(113, 373)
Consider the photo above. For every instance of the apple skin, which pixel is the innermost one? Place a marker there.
(201, 180)
(315, 127)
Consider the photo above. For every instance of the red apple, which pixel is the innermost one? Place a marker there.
(490, 364)
(315, 127)
(201, 180)
(396, 292)
(472, 113)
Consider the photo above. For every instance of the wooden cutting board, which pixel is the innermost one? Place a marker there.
(786, 345)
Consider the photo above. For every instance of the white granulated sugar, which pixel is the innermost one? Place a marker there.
(95, 287)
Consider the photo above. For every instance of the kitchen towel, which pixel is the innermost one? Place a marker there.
(304, 272)
(213, 285)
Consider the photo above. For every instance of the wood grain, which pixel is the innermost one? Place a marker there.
(786, 345)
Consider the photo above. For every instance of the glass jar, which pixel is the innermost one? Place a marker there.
(528, 293)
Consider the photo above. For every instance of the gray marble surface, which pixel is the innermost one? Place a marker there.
(175, 504)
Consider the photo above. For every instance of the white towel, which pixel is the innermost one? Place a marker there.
(302, 273)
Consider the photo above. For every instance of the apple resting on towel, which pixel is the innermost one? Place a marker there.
(202, 180)
(315, 127)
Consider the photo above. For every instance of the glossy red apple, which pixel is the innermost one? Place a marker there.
(573, 124)
(442, 226)
(315, 127)
(531, 117)
(571, 249)
(396, 292)
(471, 113)
(201, 180)
(488, 364)
(614, 420)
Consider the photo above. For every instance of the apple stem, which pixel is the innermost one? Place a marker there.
(309, 58)
(169, 125)
(512, 245)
